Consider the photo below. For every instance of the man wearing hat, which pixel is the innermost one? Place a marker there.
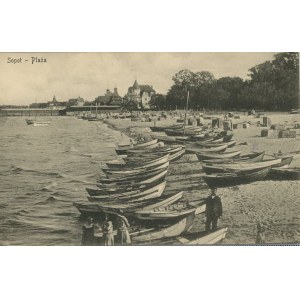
(214, 211)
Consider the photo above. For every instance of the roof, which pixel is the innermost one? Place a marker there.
(135, 85)
(146, 88)
(101, 98)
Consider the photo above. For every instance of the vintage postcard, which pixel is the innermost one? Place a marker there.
(149, 148)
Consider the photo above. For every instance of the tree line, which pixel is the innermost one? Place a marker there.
(273, 85)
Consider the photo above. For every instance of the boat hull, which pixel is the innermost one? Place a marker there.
(226, 155)
(137, 172)
(145, 178)
(146, 194)
(239, 166)
(165, 232)
(284, 174)
(202, 238)
(251, 157)
(232, 179)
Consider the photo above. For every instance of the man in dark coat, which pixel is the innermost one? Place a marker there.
(214, 211)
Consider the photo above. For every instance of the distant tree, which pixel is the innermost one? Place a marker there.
(203, 77)
(184, 79)
(158, 102)
(176, 97)
(273, 85)
(198, 84)
(202, 92)
(276, 83)
(228, 91)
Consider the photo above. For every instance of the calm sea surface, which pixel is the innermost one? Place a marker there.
(43, 170)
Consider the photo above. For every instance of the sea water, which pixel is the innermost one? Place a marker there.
(43, 170)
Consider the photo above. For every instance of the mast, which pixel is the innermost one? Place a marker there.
(186, 108)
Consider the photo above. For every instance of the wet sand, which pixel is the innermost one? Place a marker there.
(275, 204)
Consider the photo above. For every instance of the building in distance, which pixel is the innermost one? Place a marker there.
(110, 98)
(140, 95)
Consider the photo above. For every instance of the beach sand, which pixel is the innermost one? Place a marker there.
(275, 204)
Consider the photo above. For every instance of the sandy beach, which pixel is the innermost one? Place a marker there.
(275, 204)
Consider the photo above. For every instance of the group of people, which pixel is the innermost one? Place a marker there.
(108, 233)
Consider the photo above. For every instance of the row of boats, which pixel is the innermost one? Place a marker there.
(225, 166)
(134, 184)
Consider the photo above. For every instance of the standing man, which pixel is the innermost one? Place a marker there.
(214, 211)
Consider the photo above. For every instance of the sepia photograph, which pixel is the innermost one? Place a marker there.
(149, 148)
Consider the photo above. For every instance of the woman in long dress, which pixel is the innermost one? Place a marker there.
(108, 232)
(123, 236)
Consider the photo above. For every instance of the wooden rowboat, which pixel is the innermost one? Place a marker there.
(132, 196)
(123, 193)
(149, 152)
(155, 203)
(179, 132)
(139, 178)
(100, 209)
(251, 157)
(163, 215)
(119, 189)
(284, 173)
(201, 238)
(207, 145)
(155, 176)
(163, 232)
(163, 202)
(138, 145)
(239, 166)
(144, 157)
(225, 155)
(169, 212)
(135, 166)
(123, 150)
(285, 161)
(157, 128)
(231, 179)
(167, 139)
(196, 150)
(136, 171)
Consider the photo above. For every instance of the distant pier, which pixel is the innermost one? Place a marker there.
(64, 111)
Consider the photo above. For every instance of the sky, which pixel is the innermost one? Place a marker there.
(69, 75)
